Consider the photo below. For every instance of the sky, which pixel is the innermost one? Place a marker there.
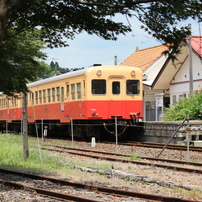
(85, 50)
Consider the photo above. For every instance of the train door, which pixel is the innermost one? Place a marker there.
(67, 100)
(116, 95)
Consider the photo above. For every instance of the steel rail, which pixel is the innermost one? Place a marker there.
(85, 186)
(176, 168)
(127, 155)
(160, 146)
(48, 193)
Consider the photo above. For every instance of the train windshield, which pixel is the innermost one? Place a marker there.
(132, 87)
(116, 87)
(99, 86)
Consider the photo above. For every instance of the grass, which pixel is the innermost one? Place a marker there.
(196, 194)
(135, 158)
(11, 155)
(40, 161)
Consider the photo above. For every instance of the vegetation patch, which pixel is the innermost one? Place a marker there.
(12, 156)
(191, 107)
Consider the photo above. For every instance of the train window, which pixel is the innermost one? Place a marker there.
(132, 87)
(13, 101)
(78, 86)
(36, 97)
(44, 96)
(116, 87)
(4, 103)
(62, 94)
(98, 86)
(0, 104)
(67, 90)
(49, 95)
(58, 93)
(73, 91)
(84, 86)
(40, 97)
(31, 98)
(7, 102)
(53, 94)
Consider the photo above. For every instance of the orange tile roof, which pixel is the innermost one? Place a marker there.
(196, 44)
(145, 57)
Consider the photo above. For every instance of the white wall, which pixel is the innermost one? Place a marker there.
(179, 86)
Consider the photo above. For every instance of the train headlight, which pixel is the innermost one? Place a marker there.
(99, 72)
(132, 73)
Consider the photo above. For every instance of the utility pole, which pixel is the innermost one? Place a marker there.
(24, 126)
(115, 60)
(190, 64)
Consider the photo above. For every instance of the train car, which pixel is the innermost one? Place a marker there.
(90, 98)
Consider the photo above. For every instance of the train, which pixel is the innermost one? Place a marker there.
(84, 103)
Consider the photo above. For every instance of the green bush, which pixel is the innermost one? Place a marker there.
(191, 107)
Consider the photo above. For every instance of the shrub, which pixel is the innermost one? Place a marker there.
(191, 106)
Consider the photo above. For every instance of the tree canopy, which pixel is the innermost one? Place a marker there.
(60, 20)
(55, 69)
(19, 61)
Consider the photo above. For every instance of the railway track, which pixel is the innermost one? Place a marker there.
(109, 192)
(158, 145)
(109, 156)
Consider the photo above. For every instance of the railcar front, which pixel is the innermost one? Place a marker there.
(114, 92)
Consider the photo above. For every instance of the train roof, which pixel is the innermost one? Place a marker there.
(68, 74)
(53, 78)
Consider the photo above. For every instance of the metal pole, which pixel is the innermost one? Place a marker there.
(190, 64)
(115, 60)
(72, 132)
(116, 134)
(24, 125)
(172, 136)
(187, 137)
(42, 129)
(6, 126)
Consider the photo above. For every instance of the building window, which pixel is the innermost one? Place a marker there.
(116, 87)
(132, 87)
(182, 96)
(73, 91)
(99, 86)
(78, 86)
(174, 99)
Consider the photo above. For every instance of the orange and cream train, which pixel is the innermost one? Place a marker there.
(90, 98)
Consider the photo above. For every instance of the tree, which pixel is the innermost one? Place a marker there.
(52, 70)
(60, 19)
(19, 61)
(66, 18)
